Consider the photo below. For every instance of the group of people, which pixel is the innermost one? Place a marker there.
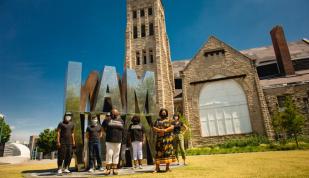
(169, 142)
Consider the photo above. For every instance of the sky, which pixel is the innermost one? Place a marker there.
(39, 37)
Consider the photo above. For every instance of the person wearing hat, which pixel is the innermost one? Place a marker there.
(65, 143)
(113, 127)
(94, 134)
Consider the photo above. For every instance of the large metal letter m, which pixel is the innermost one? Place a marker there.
(140, 93)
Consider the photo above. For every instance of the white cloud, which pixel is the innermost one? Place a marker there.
(22, 135)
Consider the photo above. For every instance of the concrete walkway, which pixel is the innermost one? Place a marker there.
(23, 160)
(123, 171)
(13, 160)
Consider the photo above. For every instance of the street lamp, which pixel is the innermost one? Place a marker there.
(1, 127)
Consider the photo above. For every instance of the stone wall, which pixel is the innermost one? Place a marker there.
(299, 94)
(231, 64)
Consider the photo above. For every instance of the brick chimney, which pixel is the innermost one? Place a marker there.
(282, 51)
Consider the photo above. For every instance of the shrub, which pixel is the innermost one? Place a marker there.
(288, 122)
(252, 143)
(253, 140)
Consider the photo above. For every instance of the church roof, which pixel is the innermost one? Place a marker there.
(262, 55)
(179, 65)
(266, 54)
(300, 77)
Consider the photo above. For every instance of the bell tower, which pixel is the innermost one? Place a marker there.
(148, 49)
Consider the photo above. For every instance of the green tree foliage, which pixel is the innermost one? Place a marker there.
(47, 141)
(289, 122)
(187, 135)
(292, 121)
(6, 131)
(278, 126)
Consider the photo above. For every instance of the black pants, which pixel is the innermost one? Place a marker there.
(64, 154)
(95, 154)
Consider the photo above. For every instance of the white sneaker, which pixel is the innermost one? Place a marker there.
(66, 171)
(140, 167)
(59, 171)
(91, 170)
(101, 169)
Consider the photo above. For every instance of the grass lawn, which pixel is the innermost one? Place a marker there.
(260, 164)
(12, 171)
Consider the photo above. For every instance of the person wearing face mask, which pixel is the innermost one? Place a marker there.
(136, 138)
(179, 146)
(114, 132)
(94, 134)
(164, 144)
(65, 143)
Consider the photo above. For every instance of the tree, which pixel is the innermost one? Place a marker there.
(277, 125)
(187, 135)
(292, 121)
(47, 141)
(5, 131)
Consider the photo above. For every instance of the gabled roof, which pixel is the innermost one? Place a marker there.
(185, 64)
(178, 66)
(262, 55)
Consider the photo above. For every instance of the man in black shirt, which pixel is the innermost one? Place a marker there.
(94, 134)
(114, 131)
(136, 138)
(65, 142)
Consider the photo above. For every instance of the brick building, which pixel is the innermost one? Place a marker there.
(147, 47)
(276, 83)
(224, 93)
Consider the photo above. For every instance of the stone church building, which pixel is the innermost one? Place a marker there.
(222, 95)
(223, 92)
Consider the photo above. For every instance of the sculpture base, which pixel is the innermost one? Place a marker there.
(123, 171)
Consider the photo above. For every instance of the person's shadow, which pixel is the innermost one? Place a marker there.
(43, 172)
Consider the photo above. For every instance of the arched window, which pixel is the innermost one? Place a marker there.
(134, 14)
(144, 57)
(151, 56)
(143, 30)
(138, 61)
(223, 109)
(135, 34)
(142, 12)
(151, 29)
(149, 11)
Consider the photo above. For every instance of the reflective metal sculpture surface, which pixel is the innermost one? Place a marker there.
(72, 104)
(108, 88)
(141, 91)
(138, 97)
(73, 87)
(88, 92)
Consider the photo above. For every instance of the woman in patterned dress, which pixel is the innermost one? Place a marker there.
(164, 143)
